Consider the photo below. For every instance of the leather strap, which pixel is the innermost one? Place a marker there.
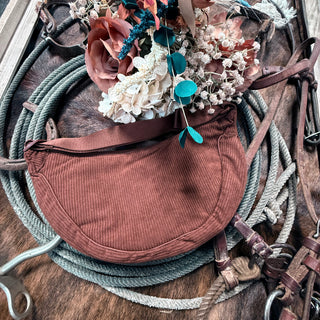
(290, 282)
(253, 239)
(308, 296)
(20, 164)
(311, 244)
(51, 127)
(287, 314)
(278, 78)
(223, 261)
(131, 133)
(296, 273)
(12, 164)
(301, 153)
(312, 264)
(274, 267)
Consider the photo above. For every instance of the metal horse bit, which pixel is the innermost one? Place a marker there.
(12, 286)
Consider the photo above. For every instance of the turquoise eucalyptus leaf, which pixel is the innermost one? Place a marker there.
(182, 137)
(195, 135)
(164, 36)
(185, 100)
(184, 89)
(176, 63)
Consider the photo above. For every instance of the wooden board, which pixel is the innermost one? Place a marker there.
(313, 17)
(9, 22)
(16, 26)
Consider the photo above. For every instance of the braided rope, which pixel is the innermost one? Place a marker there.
(110, 276)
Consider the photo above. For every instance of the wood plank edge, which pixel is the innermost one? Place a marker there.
(17, 46)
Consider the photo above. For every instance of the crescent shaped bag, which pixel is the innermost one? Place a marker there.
(117, 201)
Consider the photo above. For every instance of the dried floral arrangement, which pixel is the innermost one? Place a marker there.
(150, 57)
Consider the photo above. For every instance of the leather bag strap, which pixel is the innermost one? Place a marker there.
(129, 134)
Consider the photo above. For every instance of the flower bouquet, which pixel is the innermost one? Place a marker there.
(151, 57)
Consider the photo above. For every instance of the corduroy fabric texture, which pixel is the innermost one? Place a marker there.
(143, 204)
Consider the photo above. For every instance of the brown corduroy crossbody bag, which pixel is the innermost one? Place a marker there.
(122, 204)
(117, 201)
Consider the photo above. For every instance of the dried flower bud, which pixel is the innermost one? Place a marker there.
(256, 46)
(221, 36)
(73, 6)
(217, 55)
(227, 63)
(183, 51)
(82, 10)
(185, 43)
(192, 109)
(225, 43)
(73, 14)
(206, 59)
(94, 14)
(200, 72)
(232, 45)
(213, 98)
(200, 105)
(223, 75)
(210, 28)
(242, 65)
(204, 94)
(241, 40)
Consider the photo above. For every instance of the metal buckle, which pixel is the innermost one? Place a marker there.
(46, 17)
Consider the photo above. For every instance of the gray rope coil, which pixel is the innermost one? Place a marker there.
(112, 277)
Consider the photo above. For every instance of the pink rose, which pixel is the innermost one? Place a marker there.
(202, 3)
(105, 41)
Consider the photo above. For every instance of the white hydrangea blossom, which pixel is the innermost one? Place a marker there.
(143, 94)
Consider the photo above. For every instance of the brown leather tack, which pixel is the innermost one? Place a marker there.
(290, 282)
(253, 239)
(311, 244)
(30, 106)
(271, 69)
(223, 264)
(221, 251)
(141, 204)
(274, 267)
(287, 314)
(313, 264)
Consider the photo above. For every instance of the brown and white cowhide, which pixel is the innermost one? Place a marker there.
(58, 295)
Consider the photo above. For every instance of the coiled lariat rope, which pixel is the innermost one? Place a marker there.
(113, 277)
